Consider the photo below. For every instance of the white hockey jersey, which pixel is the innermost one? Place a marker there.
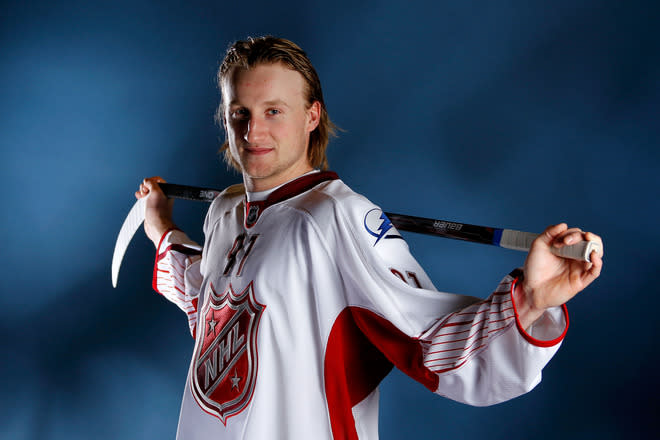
(300, 305)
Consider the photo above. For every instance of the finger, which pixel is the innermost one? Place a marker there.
(151, 183)
(591, 270)
(551, 232)
(594, 271)
(570, 236)
(141, 192)
(590, 236)
(148, 184)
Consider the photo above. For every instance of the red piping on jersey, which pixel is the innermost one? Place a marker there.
(529, 338)
(154, 281)
(161, 255)
(195, 303)
(355, 363)
(288, 190)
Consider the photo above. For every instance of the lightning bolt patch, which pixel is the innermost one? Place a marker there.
(377, 224)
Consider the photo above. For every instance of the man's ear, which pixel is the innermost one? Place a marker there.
(314, 116)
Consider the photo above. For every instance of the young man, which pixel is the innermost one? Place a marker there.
(304, 296)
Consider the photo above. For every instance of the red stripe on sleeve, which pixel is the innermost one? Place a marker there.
(154, 282)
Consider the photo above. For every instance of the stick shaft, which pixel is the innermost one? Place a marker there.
(187, 192)
(445, 228)
(506, 238)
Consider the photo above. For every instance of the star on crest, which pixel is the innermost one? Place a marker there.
(235, 380)
(212, 324)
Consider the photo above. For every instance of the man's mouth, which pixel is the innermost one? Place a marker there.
(258, 151)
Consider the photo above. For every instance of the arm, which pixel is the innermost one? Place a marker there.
(482, 355)
(477, 353)
(474, 351)
(177, 273)
(158, 211)
(511, 361)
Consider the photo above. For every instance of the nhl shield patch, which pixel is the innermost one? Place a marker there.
(225, 362)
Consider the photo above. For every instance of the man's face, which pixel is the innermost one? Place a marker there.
(268, 124)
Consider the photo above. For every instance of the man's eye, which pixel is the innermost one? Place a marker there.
(240, 114)
(274, 111)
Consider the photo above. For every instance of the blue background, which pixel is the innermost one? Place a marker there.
(514, 113)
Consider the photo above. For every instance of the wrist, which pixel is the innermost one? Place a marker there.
(548, 331)
(155, 231)
(526, 311)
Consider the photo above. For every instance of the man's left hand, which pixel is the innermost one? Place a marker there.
(549, 280)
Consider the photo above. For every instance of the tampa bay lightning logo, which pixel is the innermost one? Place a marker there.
(378, 225)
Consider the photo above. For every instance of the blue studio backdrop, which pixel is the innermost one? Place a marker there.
(514, 113)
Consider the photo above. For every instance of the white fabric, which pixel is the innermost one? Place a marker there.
(314, 257)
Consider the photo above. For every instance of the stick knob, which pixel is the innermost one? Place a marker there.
(579, 251)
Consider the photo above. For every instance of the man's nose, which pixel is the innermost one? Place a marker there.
(256, 130)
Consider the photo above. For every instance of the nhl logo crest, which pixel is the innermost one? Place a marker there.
(252, 215)
(225, 361)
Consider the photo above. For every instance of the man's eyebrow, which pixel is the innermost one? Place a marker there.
(276, 103)
(270, 103)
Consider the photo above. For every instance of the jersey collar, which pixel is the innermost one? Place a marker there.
(297, 186)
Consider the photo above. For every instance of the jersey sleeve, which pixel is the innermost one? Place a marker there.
(468, 349)
(177, 273)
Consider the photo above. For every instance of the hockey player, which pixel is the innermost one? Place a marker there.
(304, 295)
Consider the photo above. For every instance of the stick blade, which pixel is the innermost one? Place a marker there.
(131, 224)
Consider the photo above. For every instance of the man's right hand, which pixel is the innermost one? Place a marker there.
(158, 210)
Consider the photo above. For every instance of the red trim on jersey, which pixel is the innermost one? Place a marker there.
(361, 349)
(529, 338)
(160, 255)
(195, 303)
(154, 281)
(286, 191)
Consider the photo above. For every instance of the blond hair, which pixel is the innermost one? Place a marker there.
(270, 50)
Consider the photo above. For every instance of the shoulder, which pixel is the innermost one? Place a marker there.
(327, 200)
(229, 196)
(334, 204)
(226, 201)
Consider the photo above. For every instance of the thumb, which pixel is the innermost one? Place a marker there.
(551, 232)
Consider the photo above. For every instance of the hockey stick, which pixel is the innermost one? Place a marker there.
(505, 238)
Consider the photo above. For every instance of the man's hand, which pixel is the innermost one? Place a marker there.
(158, 210)
(549, 280)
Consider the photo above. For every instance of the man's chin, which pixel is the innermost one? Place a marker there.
(257, 173)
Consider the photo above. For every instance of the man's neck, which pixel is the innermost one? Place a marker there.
(258, 184)
(258, 195)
